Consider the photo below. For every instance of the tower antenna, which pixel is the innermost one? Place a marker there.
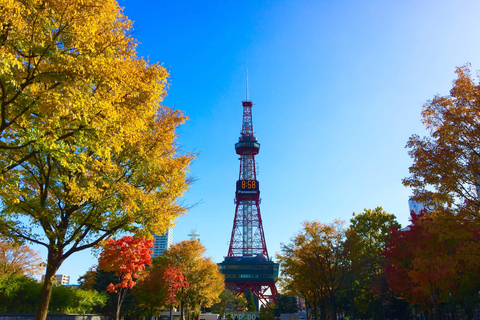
(247, 84)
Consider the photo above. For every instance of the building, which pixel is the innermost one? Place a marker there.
(162, 243)
(417, 206)
(61, 279)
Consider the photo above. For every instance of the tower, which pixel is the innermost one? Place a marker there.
(247, 264)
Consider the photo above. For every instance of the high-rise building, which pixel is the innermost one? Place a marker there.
(162, 243)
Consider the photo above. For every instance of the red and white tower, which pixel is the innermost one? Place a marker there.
(247, 265)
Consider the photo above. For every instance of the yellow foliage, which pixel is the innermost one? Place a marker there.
(86, 148)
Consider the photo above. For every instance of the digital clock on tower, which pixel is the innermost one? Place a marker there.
(247, 185)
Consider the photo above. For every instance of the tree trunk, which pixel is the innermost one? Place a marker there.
(53, 263)
(181, 309)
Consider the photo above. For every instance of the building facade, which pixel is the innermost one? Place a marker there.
(162, 243)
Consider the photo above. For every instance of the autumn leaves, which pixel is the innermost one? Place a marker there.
(182, 277)
(373, 267)
(86, 148)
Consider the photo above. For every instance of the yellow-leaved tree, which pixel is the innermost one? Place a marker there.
(86, 149)
(205, 282)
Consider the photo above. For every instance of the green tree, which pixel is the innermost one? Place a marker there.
(72, 300)
(366, 236)
(229, 302)
(250, 301)
(268, 313)
(19, 293)
(86, 150)
(286, 304)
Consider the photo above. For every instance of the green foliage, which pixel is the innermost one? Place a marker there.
(71, 300)
(250, 301)
(286, 304)
(19, 294)
(22, 294)
(229, 302)
(366, 280)
(268, 313)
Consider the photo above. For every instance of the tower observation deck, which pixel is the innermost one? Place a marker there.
(247, 264)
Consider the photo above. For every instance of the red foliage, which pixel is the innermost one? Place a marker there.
(125, 257)
(424, 258)
(175, 280)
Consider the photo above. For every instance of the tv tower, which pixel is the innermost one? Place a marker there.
(247, 264)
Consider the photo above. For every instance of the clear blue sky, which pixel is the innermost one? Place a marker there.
(337, 88)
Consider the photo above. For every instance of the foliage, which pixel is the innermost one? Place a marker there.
(18, 259)
(366, 236)
(21, 294)
(268, 313)
(71, 300)
(445, 169)
(431, 258)
(205, 281)
(316, 257)
(125, 257)
(286, 304)
(229, 302)
(250, 301)
(158, 286)
(100, 282)
(85, 149)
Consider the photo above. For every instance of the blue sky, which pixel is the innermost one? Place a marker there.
(337, 88)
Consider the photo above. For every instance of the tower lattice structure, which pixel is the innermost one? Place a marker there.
(247, 265)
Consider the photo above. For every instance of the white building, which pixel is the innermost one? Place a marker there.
(162, 243)
(61, 279)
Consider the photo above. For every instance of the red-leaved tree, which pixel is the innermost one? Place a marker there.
(158, 285)
(427, 259)
(126, 257)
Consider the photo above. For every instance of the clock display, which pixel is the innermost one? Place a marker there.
(247, 185)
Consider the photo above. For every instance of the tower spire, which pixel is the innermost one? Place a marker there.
(247, 84)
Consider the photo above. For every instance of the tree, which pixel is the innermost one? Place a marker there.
(158, 286)
(429, 258)
(18, 259)
(126, 257)
(86, 151)
(316, 257)
(286, 304)
(366, 236)
(229, 302)
(19, 293)
(250, 301)
(205, 281)
(71, 300)
(446, 164)
(98, 281)
(268, 313)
